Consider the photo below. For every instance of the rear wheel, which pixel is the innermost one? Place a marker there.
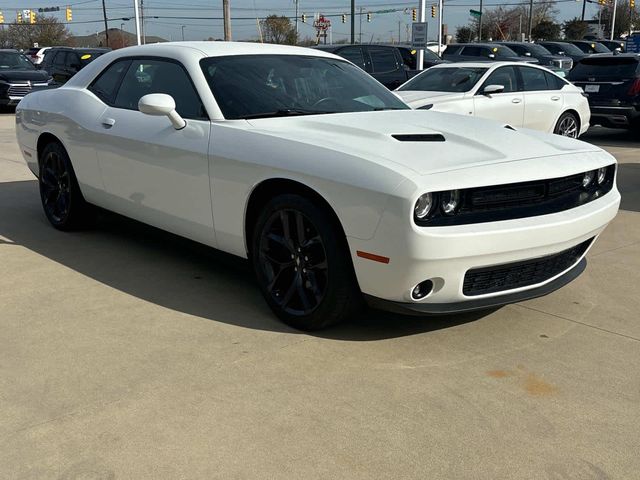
(60, 194)
(302, 264)
(568, 125)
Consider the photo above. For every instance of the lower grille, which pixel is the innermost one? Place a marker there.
(497, 278)
(19, 90)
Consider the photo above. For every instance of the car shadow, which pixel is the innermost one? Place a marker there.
(629, 185)
(612, 137)
(176, 273)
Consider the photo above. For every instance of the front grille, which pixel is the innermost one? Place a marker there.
(19, 90)
(508, 276)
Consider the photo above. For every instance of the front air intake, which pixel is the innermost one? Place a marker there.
(419, 137)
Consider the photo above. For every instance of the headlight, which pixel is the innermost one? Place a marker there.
(423, 206)
(450, 202)
(426, 107)
(602, 175)
(587, 179)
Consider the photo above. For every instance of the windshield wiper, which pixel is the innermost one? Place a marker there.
(285, 112)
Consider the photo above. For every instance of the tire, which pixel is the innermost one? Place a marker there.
(302, 264)
(568, 125)
(60, 194)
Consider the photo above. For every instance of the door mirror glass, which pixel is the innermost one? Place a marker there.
(160, 104)
(489, 89)
(527, 54)
(492, 55)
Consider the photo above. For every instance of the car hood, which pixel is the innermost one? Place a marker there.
(467, 141)
(23, 75)
(420, 97)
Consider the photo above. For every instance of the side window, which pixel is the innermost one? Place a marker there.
(472, 51)
(533, 79)
(159, 76)
(73, 60)
(383, 59)
(353, 54)
(554, 82)
(552, 48)
(518, 49)
(106, 85)
(505, 76)
(59, 60)
(452, 50)
(485, 52)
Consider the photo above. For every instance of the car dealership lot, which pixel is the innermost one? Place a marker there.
(129, 353)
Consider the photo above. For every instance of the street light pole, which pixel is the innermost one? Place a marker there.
(353, 21)
(480, 24)
(121, 35)
(137, 12)
(226, 10)
(106, 27)
(182, 27)
(530, 18)
(613, 19)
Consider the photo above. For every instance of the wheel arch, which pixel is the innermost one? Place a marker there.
(44, 139)
(572, 111)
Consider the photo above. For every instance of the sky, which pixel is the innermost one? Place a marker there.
(205, 16)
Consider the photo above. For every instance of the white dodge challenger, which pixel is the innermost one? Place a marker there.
(331, 186)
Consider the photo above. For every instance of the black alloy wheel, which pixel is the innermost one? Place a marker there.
(60, 194)
(302, 266)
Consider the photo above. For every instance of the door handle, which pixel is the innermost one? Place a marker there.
(555, 99)
(108, 122)
(516, 100)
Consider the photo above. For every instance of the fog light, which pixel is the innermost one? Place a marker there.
(450, 202)
(422, 290)
(423, 206)
(602, 174)
(587, 179)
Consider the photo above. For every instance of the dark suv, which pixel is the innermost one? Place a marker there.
(544, 56)
(612, 84)
(564, 49)
(385, 63)
(482, 52)
(590, 46)
(18, 76)
(62, 63)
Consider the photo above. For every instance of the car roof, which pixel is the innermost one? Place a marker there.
(478, 64)
(12, 50)
(473, 44)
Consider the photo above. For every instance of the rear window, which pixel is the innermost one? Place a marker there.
(446, 79)
(601, 68)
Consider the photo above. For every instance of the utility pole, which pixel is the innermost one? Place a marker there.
(137, 12)
(440, 22)
(106, 27)
(296, 24)
(399, 26)
(122, 35)
(227, 20)
(353, 22)
(142, 29)
(182, 28)
(480, 24)
(422, 17)
(613, 19)
(530, 18)
(584, 6)
(361, 12)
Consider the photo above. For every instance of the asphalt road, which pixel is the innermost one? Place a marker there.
(128, 353)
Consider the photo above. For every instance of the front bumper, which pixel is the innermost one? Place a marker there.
(615, 117)
(444, 255)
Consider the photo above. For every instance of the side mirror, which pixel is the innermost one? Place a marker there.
(161, 105)
(489, 89)
(492, 55)
(527, 54)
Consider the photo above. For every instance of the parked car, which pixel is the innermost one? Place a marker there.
(36, 54)
(385, 63)
(18, 76)
(545, 57)
(616, 46)
(328, 183)
(590, 47)
(517, 94)
(482, 52)
(62, 63)
(612, 84)
(410, 55)
(564, 49)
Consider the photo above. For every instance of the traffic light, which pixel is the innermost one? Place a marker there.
(632, 3)
(433, 11)
(414, 15)
(303, 18)
(19, 17)
(69, 15)
(32, 16)
(1, 17)
(368, 17)
(344, 18)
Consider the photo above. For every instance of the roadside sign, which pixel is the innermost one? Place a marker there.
(419, 34)
(633, 44)
(475, 13)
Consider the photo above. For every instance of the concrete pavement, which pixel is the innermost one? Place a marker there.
(126, 352)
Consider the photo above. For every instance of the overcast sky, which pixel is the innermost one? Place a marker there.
(87, 16)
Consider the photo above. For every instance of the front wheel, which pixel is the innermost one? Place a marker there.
(302, 264)
(568, 126)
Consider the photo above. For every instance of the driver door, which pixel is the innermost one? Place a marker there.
(508, 106)
(151, 171)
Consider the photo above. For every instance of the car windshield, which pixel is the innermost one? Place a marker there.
(15, 61)
(447, 79)
(605, 68)
(537, 49)
(255, 86)
(502, 51)
(567, 48)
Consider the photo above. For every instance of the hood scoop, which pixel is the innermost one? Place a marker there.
(419, 137)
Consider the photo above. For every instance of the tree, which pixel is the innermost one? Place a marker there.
(277, 29)
(465, 34)
(47, 31)
(622, 19)
(575, 29)
(546, 30)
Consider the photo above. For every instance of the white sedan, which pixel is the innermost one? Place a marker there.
(332, 188)
(521, 95)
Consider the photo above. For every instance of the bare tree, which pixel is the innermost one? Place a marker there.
(277, 29)
(47, 31)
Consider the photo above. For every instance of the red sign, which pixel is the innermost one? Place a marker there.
(322, 23)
